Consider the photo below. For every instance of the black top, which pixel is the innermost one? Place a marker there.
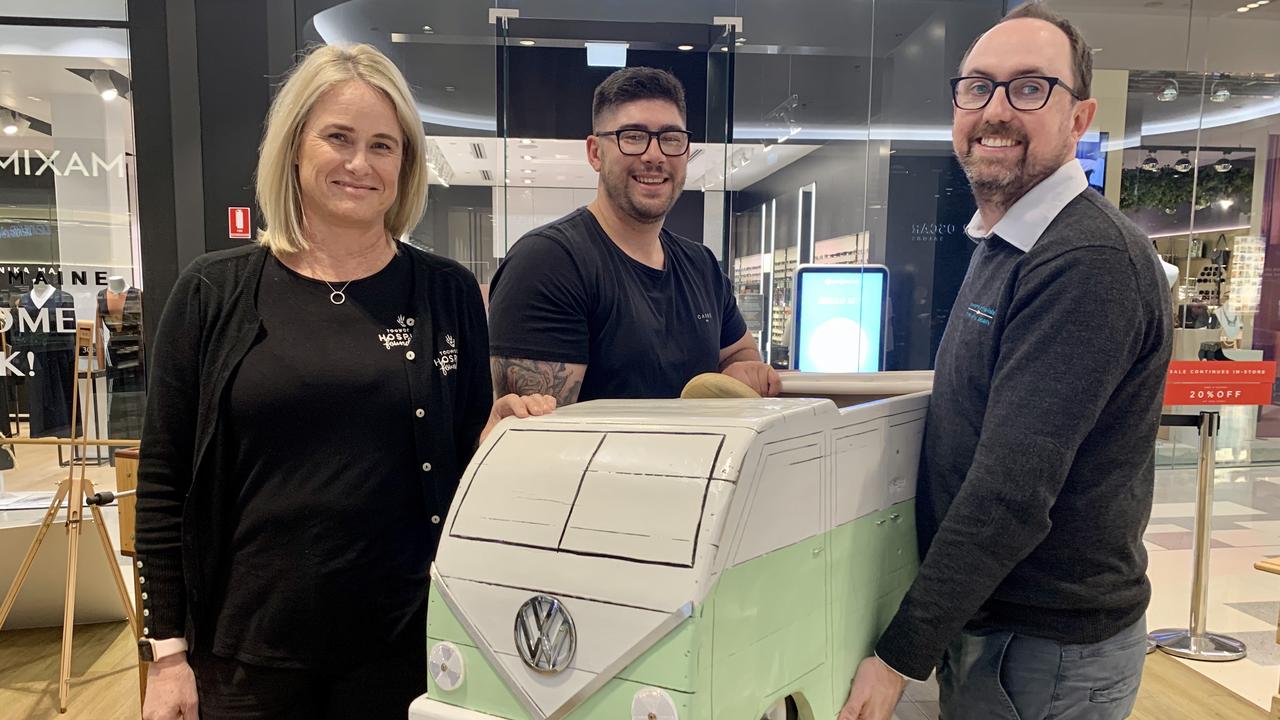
(1037, 474)
(186, 509)
(322, 474)
(124, 338)
(567, 293)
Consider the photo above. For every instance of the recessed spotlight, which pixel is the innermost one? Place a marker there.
(427, 29)
(1183, 165)
(1151, 163)
(1226, 203)
(724, 49)
(450, 88)
(1169, 92)
(741, 40)
(527, 43)
(33, 98)
(526, 141)
(528, 182)
(526, 157)
(685, 47)
(1242, 9)
(527, 171)
(103, 84)
(1253, 5)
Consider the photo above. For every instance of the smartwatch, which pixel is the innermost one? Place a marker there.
(152, 650)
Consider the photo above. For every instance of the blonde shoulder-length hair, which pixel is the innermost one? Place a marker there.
(279, 197)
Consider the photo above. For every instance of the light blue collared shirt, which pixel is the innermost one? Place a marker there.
(1027, 220)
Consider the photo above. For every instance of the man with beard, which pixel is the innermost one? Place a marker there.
(605, 302)
(1037, 474)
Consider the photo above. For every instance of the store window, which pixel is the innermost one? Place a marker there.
(70, 278)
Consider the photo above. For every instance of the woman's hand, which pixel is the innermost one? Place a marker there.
(171, 690)
(521, 406)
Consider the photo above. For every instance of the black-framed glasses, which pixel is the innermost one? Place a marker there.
(1027, 93)
(633, 141)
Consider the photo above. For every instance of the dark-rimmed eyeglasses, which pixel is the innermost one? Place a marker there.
(1027, 93)
(632, 141)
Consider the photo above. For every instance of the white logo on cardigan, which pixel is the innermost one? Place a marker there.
(447, 359)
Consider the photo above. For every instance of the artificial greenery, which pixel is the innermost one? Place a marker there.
(1167, 189)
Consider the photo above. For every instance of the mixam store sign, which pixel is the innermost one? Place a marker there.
(61, 164)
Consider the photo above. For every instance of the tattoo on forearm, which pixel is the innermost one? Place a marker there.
(562, 381)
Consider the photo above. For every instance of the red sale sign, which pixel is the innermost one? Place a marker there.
(1206, 382)
(238, 225)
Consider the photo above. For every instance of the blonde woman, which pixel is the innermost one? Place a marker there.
(313, 401)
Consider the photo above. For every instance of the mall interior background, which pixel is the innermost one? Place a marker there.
(821, 129)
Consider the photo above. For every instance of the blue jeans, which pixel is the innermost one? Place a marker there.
(1001, 675)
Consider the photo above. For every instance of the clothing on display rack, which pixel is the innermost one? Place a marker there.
(120, 313)
(48, 358)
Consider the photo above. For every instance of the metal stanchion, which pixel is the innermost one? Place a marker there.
(1196, 643)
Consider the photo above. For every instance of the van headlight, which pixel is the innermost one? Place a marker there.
(653, 704)
(446, 667)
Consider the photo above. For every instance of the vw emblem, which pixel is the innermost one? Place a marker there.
(545, 636)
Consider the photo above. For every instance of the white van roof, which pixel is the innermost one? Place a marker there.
(758, 415)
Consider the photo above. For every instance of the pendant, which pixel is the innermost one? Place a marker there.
(337, 297)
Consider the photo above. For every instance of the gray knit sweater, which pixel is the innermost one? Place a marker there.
(1037, 474)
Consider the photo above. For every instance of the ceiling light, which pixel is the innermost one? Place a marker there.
(1183, 164)
(685, 47)
(527, 43)
(528, 182)
(741, 40)
(102, 83)
(33, 98)
(1242, 9)
(1219, 92)
(526, 141)
(427, 29)
(527, 171)
(9, 122)
(1226, 203)
(1169, 92)
(1224, 163)
(526, 157)
(1151, 163)
(1253, 5)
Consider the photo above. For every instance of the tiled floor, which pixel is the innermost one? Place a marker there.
(1243, 602)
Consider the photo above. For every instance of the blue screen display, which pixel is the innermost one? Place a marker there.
(840, 328)
(1092, 157)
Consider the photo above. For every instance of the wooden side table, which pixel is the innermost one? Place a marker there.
(127, 479)
(1272, 565)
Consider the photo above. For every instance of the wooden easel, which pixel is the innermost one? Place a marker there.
(74, 489)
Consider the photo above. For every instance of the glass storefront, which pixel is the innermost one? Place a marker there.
(823, 138)
(70, 275)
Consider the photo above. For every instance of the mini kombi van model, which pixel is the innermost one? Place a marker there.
(678, 559)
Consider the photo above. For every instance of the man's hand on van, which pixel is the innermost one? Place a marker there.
(875, 692)
(521, 406)
(756, 375)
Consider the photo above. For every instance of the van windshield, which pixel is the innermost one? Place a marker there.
(635, 496)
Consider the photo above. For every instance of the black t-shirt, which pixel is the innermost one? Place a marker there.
(331, 548)
(567, 293)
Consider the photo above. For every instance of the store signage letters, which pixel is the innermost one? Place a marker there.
(57, 164)
(51, 276)
(1199, 382)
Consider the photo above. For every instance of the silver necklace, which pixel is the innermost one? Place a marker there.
(337, 297)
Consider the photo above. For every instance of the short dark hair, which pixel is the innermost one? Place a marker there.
(636, 83)
(1081, 53)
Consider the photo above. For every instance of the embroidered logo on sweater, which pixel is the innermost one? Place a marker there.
(397, 336)
(447, 359)
(980, 313)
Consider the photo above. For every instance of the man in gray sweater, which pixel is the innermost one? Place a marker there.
(1037, 474)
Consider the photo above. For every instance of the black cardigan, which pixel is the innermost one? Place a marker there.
(208, 325)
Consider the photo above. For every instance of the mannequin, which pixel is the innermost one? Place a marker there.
(119, 314)
(1170, 272)
(41, 292)
(52, 359)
